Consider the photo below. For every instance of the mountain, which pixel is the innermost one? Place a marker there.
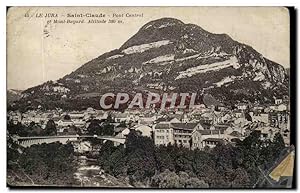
(287, 72)
(167, 55)
(13, 95)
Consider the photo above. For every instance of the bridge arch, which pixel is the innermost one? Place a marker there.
(29, 141)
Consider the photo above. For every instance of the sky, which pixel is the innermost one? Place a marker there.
(38, 52)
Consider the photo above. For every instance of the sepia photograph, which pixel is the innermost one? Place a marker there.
(149, 97)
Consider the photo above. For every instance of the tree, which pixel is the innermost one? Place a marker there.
(241, 179)
(107, 129)
(50, 128)
(49, 164)
(174, 166)
(164, 158)
(105, 152)
(135, 141)
(17, 129)
(183, 160)
(140, 153)
(35, 129)
(95, 127)
(253, 152)
(12, 152)
(67, 117)
(168, 179)
(248, 116)
(277, 145)
(117, 162)
(110, 119)
(141, 165)
(195, 183)
(204, 166)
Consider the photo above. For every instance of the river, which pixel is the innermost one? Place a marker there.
(89, 174)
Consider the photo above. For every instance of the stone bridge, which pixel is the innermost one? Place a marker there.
(28, 141)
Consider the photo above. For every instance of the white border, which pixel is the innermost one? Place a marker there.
(105, 3)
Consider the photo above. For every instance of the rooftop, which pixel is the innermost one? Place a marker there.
(211, 132)
(189, 126)
(162, 126)
(214, 139)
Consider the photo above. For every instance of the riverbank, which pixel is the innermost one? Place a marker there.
(89, 174)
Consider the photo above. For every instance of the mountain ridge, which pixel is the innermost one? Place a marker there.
(166, 55)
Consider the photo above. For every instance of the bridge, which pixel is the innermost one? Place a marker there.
(31, 140)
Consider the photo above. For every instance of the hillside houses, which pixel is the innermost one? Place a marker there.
(279, 119)
(64, 123)
(267, 132)
(262, 118)
(147, 119)
(258, 107)
(210, 136)
(15, 117)
(197, 128)
(183, 132)
(206, 133)
(190, 135)
(123, 117)
(60, 89)
(167, 120)
(242, 106)
(163, 134)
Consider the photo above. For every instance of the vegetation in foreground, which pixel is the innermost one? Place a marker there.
(143, 164)
(225, 166)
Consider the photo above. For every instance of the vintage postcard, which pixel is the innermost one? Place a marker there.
(149, 97)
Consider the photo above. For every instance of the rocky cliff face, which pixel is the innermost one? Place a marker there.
(167, 55)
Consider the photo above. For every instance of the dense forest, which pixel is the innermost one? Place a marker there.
(45, 164)
(143, 164)
(177, 167)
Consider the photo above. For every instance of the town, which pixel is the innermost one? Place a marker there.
(197, 128)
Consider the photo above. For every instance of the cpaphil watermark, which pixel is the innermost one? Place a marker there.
(147, 101)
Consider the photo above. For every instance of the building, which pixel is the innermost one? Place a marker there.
(64, 123)
(123, 133)
(144, 130)
(260, 117)
(82, 146)
(267, 132)
(258, 107)
(238, 113)
(15, 117)
(233, 136)
(278, 101)
(167, 120)
(123, 117)
(76, 115)
(222, 107)
(189, 135)
(183, 132)
(79, 123)
(242, 106)
(202, 138)
(227, 117)
(101, 115)
(163, 134)
(282, 107)
(212, 142)
(147, 120)
(60, 89)
(279, 119)
(68, 130)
